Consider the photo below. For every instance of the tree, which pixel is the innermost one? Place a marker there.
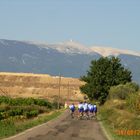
(102, 74)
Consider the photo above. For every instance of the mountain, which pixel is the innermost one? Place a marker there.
(70, 59)
(23, 56)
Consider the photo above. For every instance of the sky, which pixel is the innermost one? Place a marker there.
(112, 23)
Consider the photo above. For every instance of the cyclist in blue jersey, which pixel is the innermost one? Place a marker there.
(90, 107)
(85, 108)
(80, 109)
(72, 109)
(95, 109)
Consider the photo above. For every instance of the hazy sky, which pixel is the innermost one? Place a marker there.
(114, 23)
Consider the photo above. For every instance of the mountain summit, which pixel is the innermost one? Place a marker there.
(78, 48)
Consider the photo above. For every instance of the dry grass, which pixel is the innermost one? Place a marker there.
(39, 86)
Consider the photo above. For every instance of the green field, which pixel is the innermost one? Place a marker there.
(19, 114)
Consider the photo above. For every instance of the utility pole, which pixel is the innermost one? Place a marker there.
(68, 98)
(59, 84)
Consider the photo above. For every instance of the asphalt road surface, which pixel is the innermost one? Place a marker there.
(64, 128)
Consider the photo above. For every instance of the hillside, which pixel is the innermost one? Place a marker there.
(39, 86)
(120, 114)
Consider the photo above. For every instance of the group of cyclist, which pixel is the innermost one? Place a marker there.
(85, 109)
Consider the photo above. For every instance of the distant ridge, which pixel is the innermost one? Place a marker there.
(76, 47)
(107, 51)
(70, 58)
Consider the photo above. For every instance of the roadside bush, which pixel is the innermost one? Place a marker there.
(133, 102)
(122, 110)
(122, 91)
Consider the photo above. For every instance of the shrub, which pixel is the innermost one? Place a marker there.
(15, 112)
(133, 85)
(32, 113)
(133, 102)
(24, 101)
(4, 99)
(29, 101)
(122, 91)
(43, 102)
(1, 116)
(28, 107)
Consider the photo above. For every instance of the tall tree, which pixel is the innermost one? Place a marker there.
(102, 74)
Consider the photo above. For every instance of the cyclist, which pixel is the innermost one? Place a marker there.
(80, 109)
(95, 109)
(90, 106)
(72, 109)
(85, 108)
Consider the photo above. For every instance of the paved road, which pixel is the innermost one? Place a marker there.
(64, 128)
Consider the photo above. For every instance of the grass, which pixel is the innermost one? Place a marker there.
(10, 127)
(117, 121)
(114, 135)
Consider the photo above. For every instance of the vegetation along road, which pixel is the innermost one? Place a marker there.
(64, 128)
